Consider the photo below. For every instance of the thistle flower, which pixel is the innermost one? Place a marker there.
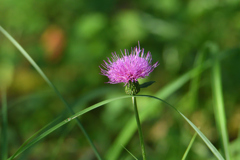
(128, 67)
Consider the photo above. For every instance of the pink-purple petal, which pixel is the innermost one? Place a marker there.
(128, 67)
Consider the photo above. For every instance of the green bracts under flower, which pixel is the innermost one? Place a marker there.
(132, 88)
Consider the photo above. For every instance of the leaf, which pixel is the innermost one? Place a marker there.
(146, 84)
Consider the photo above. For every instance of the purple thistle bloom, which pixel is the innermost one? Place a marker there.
(128, 67)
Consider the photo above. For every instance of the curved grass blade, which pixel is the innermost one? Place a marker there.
(38, 137)
(32, 62)
(32, 137)
(189, 146)
(204, 138)
(4, 137)
(81, 101)
(60, 141)
(219, 110)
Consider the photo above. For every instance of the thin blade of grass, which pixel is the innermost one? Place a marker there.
(32, 137)
(204, 138)
(194, 85)
(80, 102)
(32, 62)
(49, 125)
(4, 137)
(55, 153)
(36, 137)
(189, 146)
(130, 153)
(219, 109)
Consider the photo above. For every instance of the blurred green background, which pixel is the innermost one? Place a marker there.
(69, 40)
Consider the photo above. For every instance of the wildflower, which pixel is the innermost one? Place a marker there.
(128, 68)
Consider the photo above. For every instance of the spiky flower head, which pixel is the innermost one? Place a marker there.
(128, 67)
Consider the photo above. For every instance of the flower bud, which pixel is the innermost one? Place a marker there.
(132, 88)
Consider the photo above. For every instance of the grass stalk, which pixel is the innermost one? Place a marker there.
(26, 55)
(4, 137)
(139, 128)
(220, 115)
(189, 146)
(130, 153)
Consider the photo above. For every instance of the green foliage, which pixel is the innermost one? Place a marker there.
(68, 41)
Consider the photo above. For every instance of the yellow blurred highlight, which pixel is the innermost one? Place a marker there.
(6, 73)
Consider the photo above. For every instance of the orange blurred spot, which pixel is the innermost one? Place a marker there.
(53, 40)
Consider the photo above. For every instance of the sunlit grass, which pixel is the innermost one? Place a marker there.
(219, 108)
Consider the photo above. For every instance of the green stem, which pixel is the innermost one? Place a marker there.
(189, 146)
(139, 127)
(219, 108)
(4, 137)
